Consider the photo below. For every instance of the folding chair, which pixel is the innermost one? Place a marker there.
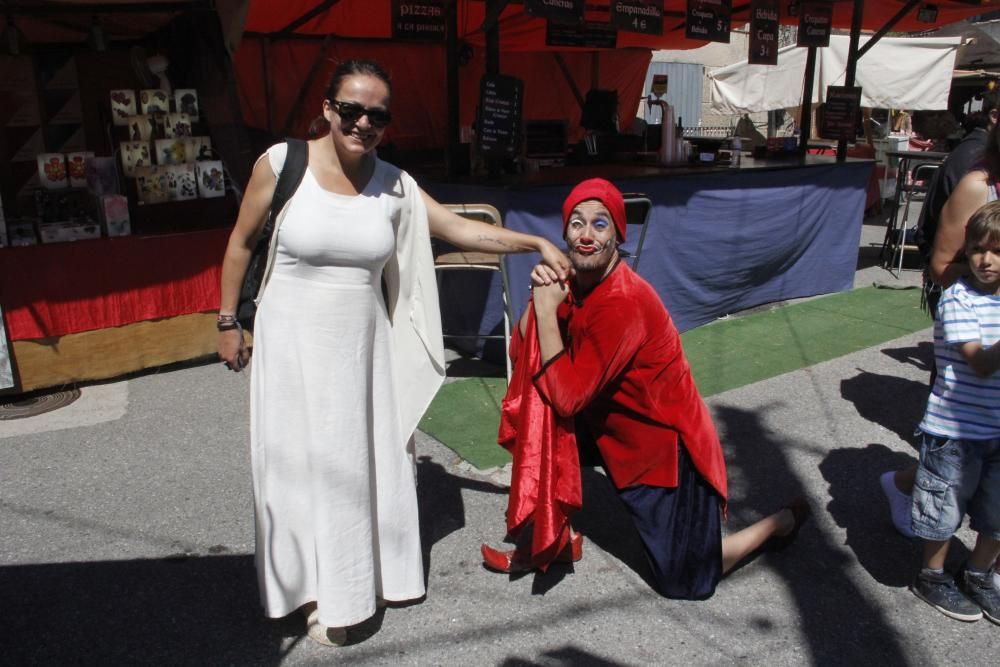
(637, 210)
(479, 261)
(916, 190)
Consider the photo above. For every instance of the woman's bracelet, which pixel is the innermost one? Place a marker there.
(228, 324)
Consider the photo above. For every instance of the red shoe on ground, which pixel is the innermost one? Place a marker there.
(514, 561)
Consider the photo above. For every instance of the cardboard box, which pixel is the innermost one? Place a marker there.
(60, 232)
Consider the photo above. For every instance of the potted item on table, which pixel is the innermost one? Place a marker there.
(171, 151)
(140, 127)
(154, 100)
(211, 182)
(52, 171)
(186, 101)
(122, 106)
(76, 166)
(177, 125)
(135, 154)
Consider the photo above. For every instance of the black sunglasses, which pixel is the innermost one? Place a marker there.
(351, 112)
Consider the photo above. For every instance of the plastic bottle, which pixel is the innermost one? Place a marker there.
(736, 152)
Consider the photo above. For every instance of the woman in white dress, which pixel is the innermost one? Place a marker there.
(341, 375)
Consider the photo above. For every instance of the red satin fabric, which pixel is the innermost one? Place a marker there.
(545, 483)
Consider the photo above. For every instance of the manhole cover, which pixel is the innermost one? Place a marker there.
(38, 404)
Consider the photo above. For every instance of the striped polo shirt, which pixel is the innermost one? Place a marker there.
(963, 405)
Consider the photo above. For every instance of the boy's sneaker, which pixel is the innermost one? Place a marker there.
(940, 592)
(980, 589)
(899, 504)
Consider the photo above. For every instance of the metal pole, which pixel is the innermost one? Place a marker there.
(852, 63)
(805, 114)
(452, 152)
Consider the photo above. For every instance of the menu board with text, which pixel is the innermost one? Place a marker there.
(709, 20)
(499, 122)
(642, 16)
(815, 23)
(418, 20)
(764, 15)
(841, 112)
(563, 11)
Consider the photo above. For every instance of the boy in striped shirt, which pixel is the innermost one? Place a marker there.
(959, 470)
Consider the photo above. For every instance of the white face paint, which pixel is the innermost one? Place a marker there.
(591, 237)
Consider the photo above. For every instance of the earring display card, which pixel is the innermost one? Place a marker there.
(154, 100)
(114, 215)
(122, 106)
(182, 181)
(198, 148)
(177, 125)
(186, 101)
(135, 154)
(76, 165)
(211, 182)
(102, 176)
(151, 185)
(52, 170)
(140, 128)
(171, 151)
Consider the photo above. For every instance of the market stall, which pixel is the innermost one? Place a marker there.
(257, 70)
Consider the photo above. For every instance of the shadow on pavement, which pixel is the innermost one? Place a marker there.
(568, 656)
(189, 611)
(858, 506)
(920, 355)
(814, 567)
(442, 510)
(895, 403)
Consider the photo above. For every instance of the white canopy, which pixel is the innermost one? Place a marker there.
(897, 73)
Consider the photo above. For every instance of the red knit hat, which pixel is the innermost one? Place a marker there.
(604, 192)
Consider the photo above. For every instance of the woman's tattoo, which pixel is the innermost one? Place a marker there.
(494, 239)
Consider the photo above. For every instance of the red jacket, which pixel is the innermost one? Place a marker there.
(624, 373)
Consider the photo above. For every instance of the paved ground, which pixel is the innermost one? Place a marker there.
(127, 537)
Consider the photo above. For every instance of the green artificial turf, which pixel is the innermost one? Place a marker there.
(724, 355)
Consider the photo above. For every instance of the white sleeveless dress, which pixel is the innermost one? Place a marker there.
(334, 489)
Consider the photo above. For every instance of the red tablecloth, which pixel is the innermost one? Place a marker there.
(64, 288)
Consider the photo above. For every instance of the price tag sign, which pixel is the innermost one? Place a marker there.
(422, 21)
(709, 20)
(764, 15)
(841, 112)
(815, 22)
(643, 16)
(591, 34)
(562, 11)
(499, 122)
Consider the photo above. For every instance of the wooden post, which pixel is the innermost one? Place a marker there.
(852, 64)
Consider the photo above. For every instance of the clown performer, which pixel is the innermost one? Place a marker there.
(599, 370)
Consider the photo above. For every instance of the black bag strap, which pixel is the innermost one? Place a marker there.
(296, 160)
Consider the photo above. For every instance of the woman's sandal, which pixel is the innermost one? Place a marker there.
(322, 634)
(800, 513)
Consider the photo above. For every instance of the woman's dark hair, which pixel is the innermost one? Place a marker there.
(355, 67)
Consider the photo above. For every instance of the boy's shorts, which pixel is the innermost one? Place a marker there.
(955, 478)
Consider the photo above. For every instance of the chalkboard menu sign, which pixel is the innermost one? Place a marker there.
(563, 11)
(499, 123)
(423, 20)
(763, 32)
(645, 16)
(841, 112)
(815, 21)
(591, 34)
(709, 20)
